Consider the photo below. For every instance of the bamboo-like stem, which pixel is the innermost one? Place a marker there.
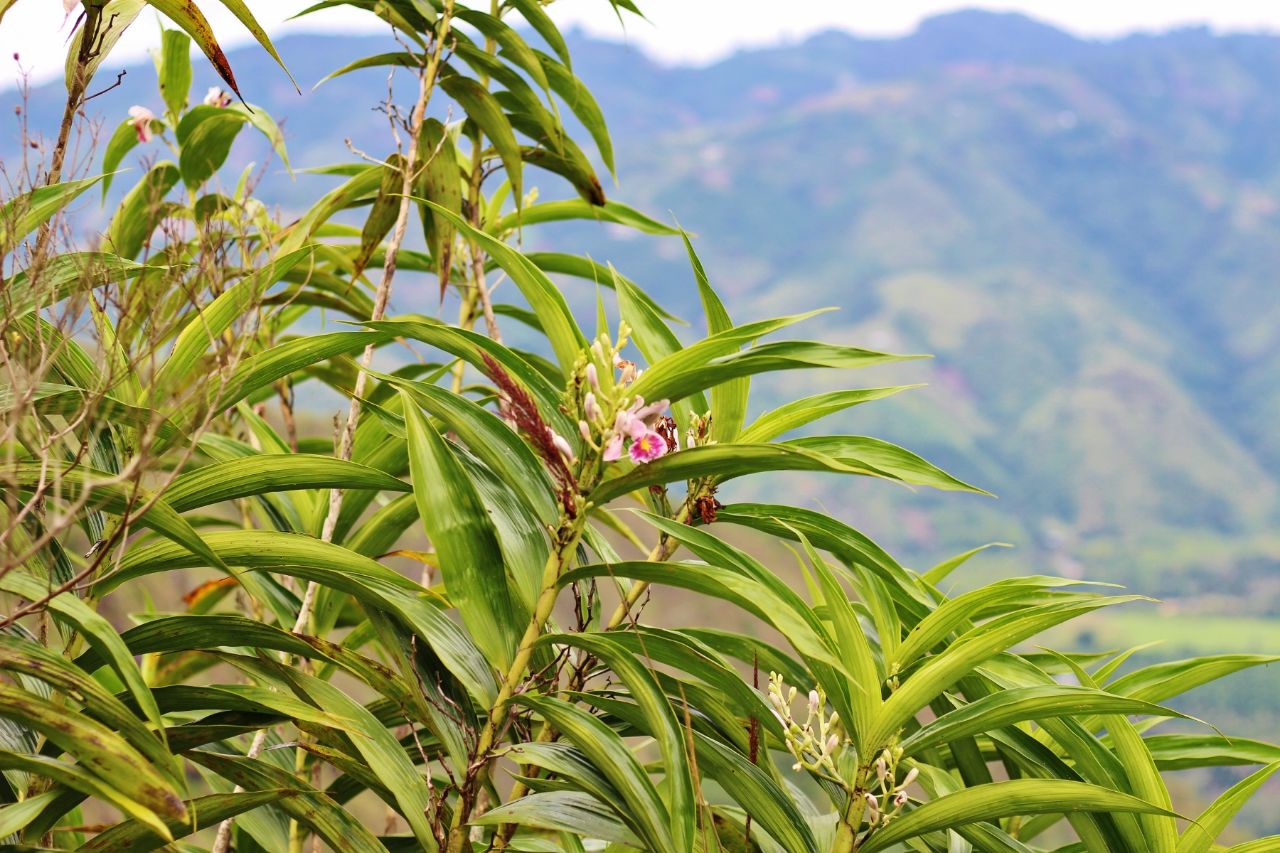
(660, 552)
(567, 541)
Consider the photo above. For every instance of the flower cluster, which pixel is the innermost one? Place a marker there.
(887, 796)
(615, 421)
(816, 743)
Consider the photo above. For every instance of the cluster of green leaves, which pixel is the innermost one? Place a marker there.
(499, 701)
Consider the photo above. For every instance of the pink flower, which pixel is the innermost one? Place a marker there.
(142, 118)
(613, 450)
(589, 407)
(584, 430)
(593, 376)
(647, 447)
(215, 97)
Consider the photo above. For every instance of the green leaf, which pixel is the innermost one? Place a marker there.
(1185, 751)
(245, 17)
(1204, 830)
(135, 837)
(1161, 681)
(313, 809)
(943, 570)
(114, 19)
(256, 475)
(510, 44)
(722, 461)
(460, 530)
(382, 213)
(661, 724)
(377, 746)
(973, 647)
(440, 182)
(546, 300)
(173, 67)
(100, 751)
(481, 108)
(187, 15)
(728, 400)
(368, 581)
(577, 208)
(759, 796)
(655, 341)
(641, 807)
(123, 140)
(205, 135)
(580, 101)
(888, 458)
(15, 816)
(1002, 799)
(796, 414)
(864, 685)
(565, 811)
(141, 210)
(36, 661)
(491, 440)
(69, 610)
(1017, 704)
(542, 24)
(25, 213)
(575, 265)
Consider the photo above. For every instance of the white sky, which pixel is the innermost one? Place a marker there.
(681, 30)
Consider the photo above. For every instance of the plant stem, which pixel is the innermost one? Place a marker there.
(567, 541)
(75, 96)
(662, 551)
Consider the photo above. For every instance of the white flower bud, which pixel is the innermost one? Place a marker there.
(562, 445)
(910, 777)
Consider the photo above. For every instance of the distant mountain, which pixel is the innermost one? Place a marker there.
(1085, 233)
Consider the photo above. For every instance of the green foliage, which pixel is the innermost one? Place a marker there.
(505, 692)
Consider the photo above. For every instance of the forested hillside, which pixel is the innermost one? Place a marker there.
(1084, 233)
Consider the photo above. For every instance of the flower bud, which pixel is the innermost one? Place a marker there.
(832, 742)
(882, 771)
(589, 407)
(562, 445)
(910, 777)
(584, 429)
(593, 376)
(813, 702)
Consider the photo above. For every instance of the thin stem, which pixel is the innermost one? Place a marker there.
(75, 98)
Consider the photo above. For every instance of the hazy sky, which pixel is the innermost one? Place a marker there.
(679, 30)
